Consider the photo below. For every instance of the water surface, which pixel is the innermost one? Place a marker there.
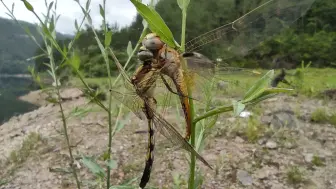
(10, 89)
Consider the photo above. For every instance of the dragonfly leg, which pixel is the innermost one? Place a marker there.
(171, 90)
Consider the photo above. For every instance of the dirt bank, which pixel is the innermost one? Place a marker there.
(298, 154)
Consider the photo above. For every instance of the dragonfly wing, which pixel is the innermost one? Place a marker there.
(167, 130)
(248, 31)
(131, 101)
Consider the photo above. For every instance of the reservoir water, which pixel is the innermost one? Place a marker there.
(10, 89)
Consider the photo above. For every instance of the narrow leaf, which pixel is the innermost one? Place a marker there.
(112, 164)
(108, 38)
(238, 107)
(28, 5)
(93, 166)
(50, 5)
(75, 61)
(52, 24)
(87, 4)
(120, 125)
(259, 86)
(156, 23)
(89, 19)
(76, 25)
(129, 49)
(101, 10)
(13, 8)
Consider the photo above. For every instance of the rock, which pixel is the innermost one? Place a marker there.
(71, 93)
(239, 140)
(283, 118)
(279, 119)
(231, 119)
(271, 144)
(266, 119)
(265, 172)
(262, 141)
(277, 186)
(244, 177)
(222, 85)
(288, 145)
(308, 157)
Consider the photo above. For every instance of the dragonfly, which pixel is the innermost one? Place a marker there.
(239, 37)
(139, 98)
(158, 59)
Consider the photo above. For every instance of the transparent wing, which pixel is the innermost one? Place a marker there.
(131, 101)
(167, 130)
(263, 22)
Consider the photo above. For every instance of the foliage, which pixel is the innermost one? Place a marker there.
(92, 61)
(16, 46)
(311, 38)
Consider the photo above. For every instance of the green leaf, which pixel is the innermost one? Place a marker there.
(156, 23)
(52, 25)
(120, 125)
(87, 4)
(129, 49)
(183, 4)
(80, 112)
(76, 25)
(259, 86)
(108, 38)
(13, 8)
(28, 6)
(238, 107)
(101, 10)
(93, 166)
(269, 93)
(112, 164)
(75, 61)
(50, 5)
(51, 100)
(89, 19)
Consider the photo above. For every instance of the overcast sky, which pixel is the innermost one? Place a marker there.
(121, 11)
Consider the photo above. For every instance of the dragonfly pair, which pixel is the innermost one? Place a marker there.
(158, 59)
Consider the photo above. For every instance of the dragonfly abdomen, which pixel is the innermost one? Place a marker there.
(150, 155)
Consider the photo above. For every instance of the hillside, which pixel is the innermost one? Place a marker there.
(16, 46)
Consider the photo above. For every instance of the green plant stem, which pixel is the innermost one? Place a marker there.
(184, 21)
(107, 62)
(213, 112)
(67, 138)
(191, 104)
(65, 128)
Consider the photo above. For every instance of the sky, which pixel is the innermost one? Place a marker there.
(121, 11)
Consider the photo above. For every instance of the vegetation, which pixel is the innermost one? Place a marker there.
(93, 53)
(321, 115)
(16, 46)
(295, 175)
(312, 38)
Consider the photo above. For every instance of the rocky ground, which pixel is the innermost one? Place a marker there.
(278, 148)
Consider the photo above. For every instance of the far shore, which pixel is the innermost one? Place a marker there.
(2, 75)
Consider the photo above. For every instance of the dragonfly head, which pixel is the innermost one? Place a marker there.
(152, 42)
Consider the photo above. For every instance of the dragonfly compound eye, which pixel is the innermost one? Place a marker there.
(144, 55)
(152, 42)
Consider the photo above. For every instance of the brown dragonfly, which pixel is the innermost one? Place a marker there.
(158, 59)
(239, 37)
(139, 98)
